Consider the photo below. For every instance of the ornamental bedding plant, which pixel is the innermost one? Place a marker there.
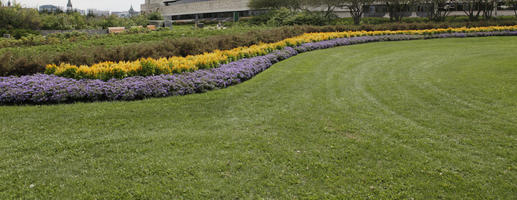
(176, 65)
(50, 89)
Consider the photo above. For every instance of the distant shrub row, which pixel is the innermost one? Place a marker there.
(21, 64)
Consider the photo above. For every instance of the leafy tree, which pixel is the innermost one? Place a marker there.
(16, 17)
(90, 14)
(141, 20)
(155, 16)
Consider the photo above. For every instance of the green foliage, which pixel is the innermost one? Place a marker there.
(18, 33)
(305, 18)
(284, 16)
(275, 4)
(148, 68)
(137, 43)
(33, 38)
(64, 21)
(24, 18)
(129, 47)
(155, 16)
(17, 17)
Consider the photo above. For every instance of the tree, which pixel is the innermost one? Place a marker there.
(488, 7)
(90, 14)
(16, 17)
(472, 8)
(155, 16)
(514, 5)
(397, 8)
(357, 8)
(328, 5)
(436, 10)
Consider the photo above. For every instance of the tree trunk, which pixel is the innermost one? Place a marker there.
(356, 11)
(473, 6)
(329, 12)
(515, 9)
(357, 20)
(487, 8)
(395, 11)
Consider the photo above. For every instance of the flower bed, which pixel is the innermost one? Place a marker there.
(45, 89)
(151, 67)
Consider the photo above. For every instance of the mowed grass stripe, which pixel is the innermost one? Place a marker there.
(410, 119)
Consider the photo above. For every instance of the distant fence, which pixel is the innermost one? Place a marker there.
(89, 32)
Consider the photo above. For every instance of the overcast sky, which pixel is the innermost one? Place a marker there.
(112, 5)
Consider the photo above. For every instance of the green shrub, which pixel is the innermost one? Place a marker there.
(305, 18)
(155, 16)
(284, 16)
(18, 33)
(17, 17)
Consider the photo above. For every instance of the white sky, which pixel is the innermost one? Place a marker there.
(112, 5)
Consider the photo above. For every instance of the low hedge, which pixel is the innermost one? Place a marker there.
(23, 64)
(46, 89)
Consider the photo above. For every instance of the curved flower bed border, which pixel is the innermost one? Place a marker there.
(48, 89)
(177, 65)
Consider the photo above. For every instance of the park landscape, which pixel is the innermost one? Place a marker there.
(390, 110)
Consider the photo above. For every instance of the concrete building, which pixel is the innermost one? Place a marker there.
(190, 9)
(224, 9)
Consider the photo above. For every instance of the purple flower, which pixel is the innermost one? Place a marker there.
(45, 89)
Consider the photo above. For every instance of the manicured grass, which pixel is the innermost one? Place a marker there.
(413, 119)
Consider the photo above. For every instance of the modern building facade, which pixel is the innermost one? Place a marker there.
(217, 9)
(190, 9)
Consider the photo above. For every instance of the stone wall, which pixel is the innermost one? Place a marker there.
(89, 32)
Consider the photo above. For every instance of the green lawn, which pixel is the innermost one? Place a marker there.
(413, 119)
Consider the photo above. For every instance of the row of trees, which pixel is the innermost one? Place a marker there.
(16, 17)
(435, 10)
